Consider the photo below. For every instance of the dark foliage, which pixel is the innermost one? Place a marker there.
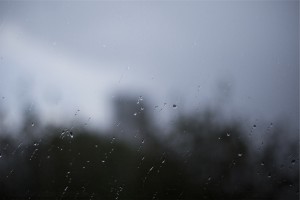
(199, 159)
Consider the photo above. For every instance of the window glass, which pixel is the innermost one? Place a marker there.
(149, 100)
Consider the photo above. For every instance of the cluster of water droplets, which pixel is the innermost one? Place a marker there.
(67, 133)
(141, 108)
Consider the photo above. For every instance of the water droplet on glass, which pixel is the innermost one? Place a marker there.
(254, 125)
(103, 161)
(32, 124)
(269, 175)
(262, 163)
(293, 162)
(240, 155)
(209, 178)
(143, 141)
(135, 114)
(71, 134)
(174, 106)
(228, 134)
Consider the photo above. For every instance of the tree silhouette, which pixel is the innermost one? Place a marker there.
(201, 158)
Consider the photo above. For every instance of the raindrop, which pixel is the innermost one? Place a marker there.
(293, 162)
(174, 106)
(103, 161)
(262, 163)
(135, 114)
(269, 175)
(139, 99)
(96, 146)
(32, 124)
(71, 134)
(228, 134)
(143, 141)
(33, 154)
(142, 108)
(240, 154)
(163, 161)
(62, 133)
(254, 125)
(0, 155)
(150, 169)
(209, 178)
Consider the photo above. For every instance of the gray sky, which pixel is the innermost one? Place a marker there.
(58, 57)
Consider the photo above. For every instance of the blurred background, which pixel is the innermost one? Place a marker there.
(149, 100)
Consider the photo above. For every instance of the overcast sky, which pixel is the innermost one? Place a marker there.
(58, 57)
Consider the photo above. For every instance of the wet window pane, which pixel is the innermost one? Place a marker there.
(149, 100)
